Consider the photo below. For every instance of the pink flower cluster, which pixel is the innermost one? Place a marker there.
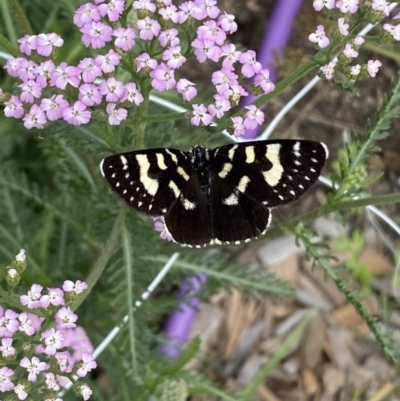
(377, 10)
(65, 345)
(42, 97)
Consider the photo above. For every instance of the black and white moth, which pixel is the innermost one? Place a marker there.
(216, 196)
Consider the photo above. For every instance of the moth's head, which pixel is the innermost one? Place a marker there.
(200, 156)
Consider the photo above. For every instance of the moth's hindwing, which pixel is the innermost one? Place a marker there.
(271, 173)
(188, 221)
(148, 180)
(234, 215)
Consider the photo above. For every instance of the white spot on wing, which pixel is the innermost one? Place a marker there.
(182, 172)
(243, 183)
(293, 193)
(173, 156)
(231, 200)
(149, 184)
(227, 167)
(174, 188)
(161, 161)
(187, 204)
(140, 204)
(274, 175)
(124, 162)
(296, 149)
(250, 154)
(231, 152)
(113, 176)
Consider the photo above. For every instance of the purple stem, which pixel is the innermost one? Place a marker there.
(275, 38)
(179, 322)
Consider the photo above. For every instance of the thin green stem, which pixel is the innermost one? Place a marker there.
(6, 44)
(19, 14)
(104, 257)
(333, 207)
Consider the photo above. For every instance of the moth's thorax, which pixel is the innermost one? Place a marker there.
(200, 158)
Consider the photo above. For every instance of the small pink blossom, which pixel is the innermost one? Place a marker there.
(13, 65)
(54, 107)
(227, 23)
(381, 5)
(319, 37)
(394, 30)
(169, 38)
(200, 115)
(210, 7)
(76, 114)
(28, 43)
(347, 6)
(173, 57)
(27, 70)
(112, 8)
(19, 390)
(85, 391)
(85, 14)
(5, 379)
(53, 339)
(65, 74)
(66, 318)
(6, 348)
(230, 54)
(144, 5)
(8, 323)
(349, 51)
(320, 4)
(148, 28)
(44, 72)
(46, 42)
(206, 49)
(33, 367)
(343, 27)
(328, 70)
(132, 94)
(109, 61)
(112, 89)
(170, 13)
(30, 91)
(25, 324)
(186, 89)
(144, 61)
(355, 70)
(89, 94)
(115, 116)
(253, 117)
(219, 107)
(163, 78)
(96, 34)
(373, 67)
(88, 363)
(238, 127)
(89, 70)
(54, 296)
(211, 31)
(159, 226)
(359, 40)
(262, 80)
(124, 38)
(189, 9)
(250, 65)
(14, 107)
(52, 382)
(78, 287)
(35, 118)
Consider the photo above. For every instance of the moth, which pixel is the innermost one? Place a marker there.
(216, 196)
